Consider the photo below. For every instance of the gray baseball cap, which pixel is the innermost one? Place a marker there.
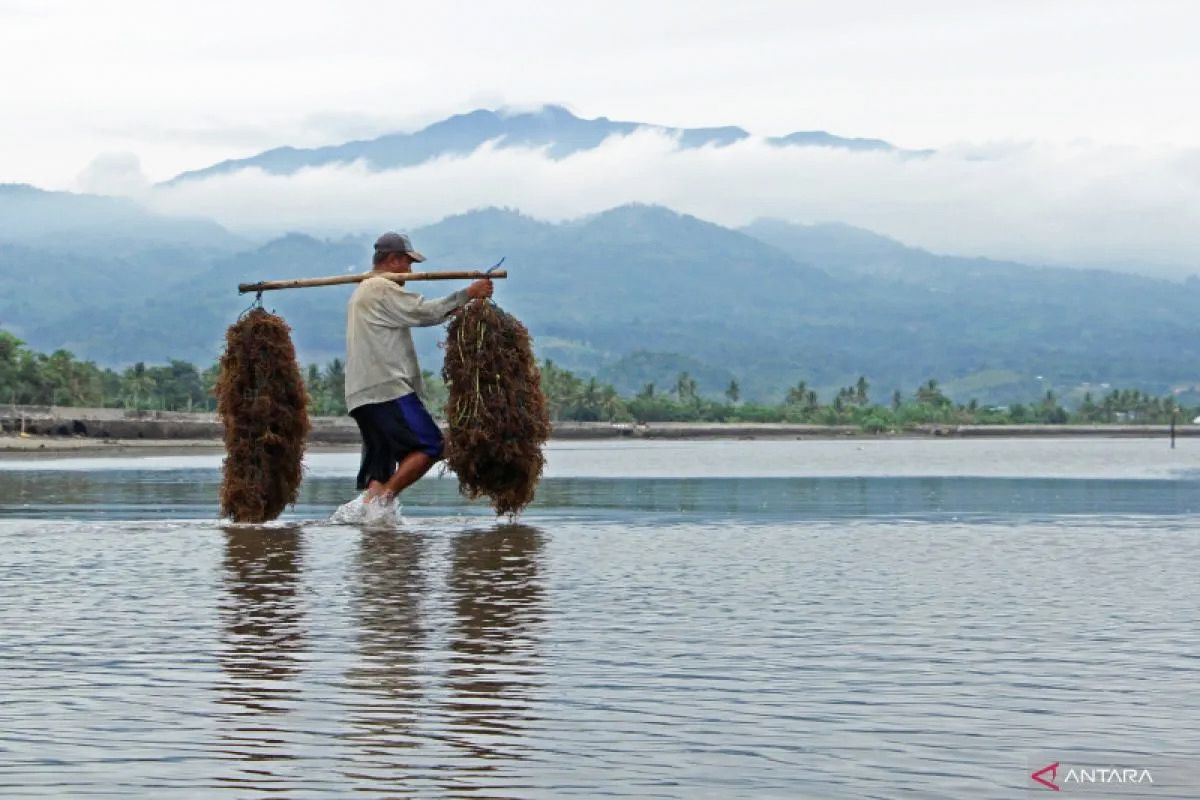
(392, 242)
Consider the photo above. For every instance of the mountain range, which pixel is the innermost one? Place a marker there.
(552, 127)
(633, 295)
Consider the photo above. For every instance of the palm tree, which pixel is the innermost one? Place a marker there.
(860, 390)
(685, 388)
(930, 394)
(334, 381)
(611, 404)
(797, 395)
(138, 383)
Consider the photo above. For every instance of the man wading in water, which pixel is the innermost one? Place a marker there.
(400, 440)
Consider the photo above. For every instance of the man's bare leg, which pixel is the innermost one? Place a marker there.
(410, 470)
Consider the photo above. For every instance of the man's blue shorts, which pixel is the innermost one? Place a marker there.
(390, 431)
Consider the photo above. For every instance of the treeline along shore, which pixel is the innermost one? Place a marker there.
(64, 425)
(58, 395)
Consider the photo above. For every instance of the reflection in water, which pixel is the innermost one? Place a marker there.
(174, 494)
(262, 643)
(399, 720)
(149, 494)
(494, 661)
(387, 604)
(757, 654)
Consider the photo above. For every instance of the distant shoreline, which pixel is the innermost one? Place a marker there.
(54, 429)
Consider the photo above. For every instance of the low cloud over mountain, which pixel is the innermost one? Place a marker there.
(1136, 209)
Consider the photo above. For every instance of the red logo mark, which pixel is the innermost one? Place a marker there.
(1053, 770)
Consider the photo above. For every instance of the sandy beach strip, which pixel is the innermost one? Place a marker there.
(27, 445)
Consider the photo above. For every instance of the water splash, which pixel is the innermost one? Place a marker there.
(374, 514)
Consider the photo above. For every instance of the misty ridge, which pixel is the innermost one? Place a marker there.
(632, 293)
(1076, 204)
(552, 127)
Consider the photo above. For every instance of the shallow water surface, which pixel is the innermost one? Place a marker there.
(707, 619)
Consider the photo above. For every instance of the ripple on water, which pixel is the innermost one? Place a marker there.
(684, 643)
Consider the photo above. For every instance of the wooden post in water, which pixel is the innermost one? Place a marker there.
(1174, 414)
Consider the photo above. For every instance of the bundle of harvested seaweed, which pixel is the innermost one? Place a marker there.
(264, 406)
(497, 412)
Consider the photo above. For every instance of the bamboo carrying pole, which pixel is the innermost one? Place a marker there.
(399, 277)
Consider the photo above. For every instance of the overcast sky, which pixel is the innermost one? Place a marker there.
(161, 87)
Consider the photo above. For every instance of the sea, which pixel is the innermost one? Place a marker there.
(859, 618)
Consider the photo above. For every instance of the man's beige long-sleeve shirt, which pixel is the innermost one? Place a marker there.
(381, 363)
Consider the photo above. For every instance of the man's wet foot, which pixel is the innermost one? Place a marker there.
(378, 495)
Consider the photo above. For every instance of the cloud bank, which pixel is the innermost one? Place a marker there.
(113, 174)
(1078, 203)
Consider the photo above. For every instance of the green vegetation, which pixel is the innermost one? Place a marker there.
(33, 378)
(632, 295)
(30, 378)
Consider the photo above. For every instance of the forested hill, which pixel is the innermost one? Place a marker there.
(638, 294)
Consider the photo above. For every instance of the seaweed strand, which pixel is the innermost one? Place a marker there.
(498, 415)
(263, 406)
